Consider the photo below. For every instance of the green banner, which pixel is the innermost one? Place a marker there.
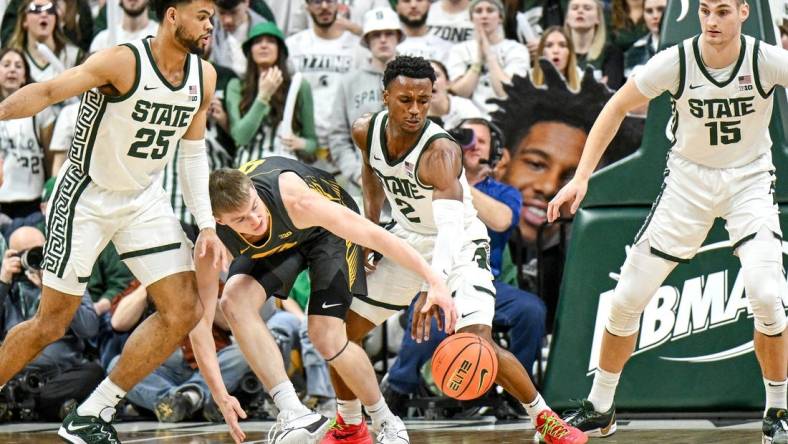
(694, 351)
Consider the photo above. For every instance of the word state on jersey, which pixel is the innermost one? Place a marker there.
(392, 287)
(109, 188)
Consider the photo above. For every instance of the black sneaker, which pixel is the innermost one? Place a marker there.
(211, 411)
(88, 429)
(173, 408)
(775, 426)
(591, 422)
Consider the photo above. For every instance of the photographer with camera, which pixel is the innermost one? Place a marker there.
(60, 375)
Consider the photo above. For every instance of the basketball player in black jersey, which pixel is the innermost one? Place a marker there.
(279, 217)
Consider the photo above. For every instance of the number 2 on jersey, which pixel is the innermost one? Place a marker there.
(406, 208)
(145, 138)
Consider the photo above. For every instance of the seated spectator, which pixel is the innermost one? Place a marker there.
(556, 47)
(36, 24)
(236, 18)
(413, 15)
(585, 25)
(520, 313)
(67, 376)
(545, 135)
(135, 25)
(645, 48)
(627, 24)
(445, 106)
(255, 105)
(24, 143)
(176, 390)
(479, 68)
(361, 92)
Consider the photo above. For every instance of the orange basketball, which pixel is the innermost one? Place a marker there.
(464, 366)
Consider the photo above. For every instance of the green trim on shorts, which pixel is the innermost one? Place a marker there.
(658, 253)
(380, 304)
(744, 239)
(653, 210)
(151, 250)
(484, 290)
(70, 220)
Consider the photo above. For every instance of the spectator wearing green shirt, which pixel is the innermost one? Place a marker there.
(256, 104)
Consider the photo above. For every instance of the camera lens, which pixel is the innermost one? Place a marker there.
(32, 258)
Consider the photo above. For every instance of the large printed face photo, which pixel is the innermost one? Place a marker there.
(545, 129)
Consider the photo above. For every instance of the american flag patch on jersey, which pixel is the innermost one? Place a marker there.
(193, 93)
(409, 168)
(745, 82)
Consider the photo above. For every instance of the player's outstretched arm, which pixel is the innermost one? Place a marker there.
(372, 189)
(307, 208)
(99, 70)
(605, 128)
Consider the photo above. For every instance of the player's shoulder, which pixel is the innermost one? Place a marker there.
(361, 128)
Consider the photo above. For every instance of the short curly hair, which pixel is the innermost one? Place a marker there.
(526, 105)
(413, 67)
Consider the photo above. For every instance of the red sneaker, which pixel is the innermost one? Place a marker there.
(554, 430)
(341, 433)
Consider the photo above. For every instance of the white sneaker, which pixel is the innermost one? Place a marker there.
(298, 427)
(392, 431)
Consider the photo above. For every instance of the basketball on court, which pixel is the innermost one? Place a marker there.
(464, 366)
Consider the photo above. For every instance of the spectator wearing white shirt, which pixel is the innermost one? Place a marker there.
(479, 68)
(413, 15)
(323, 54)
(448, 19)
(135, 25)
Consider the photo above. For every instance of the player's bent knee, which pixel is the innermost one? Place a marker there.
(328, 342)
(763, 284)
(761, 270)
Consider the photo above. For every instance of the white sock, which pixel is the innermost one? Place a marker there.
(285, 397)
(106, 395)
(350, 411)
(604, 390)
(775, 394)
(535, 407)
(379, 411)
(193, 396)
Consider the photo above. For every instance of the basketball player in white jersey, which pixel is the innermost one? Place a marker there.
(415, 165)
(142, 101)
(720, 165)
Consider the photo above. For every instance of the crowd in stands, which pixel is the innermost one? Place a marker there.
(519, 84)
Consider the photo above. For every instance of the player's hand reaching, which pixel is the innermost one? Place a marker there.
(573, 192)
(208, 244)
(231, 410)
(429, 305)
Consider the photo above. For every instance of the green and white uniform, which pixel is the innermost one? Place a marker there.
(392, 287)
(720, 163)
(110, 189)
